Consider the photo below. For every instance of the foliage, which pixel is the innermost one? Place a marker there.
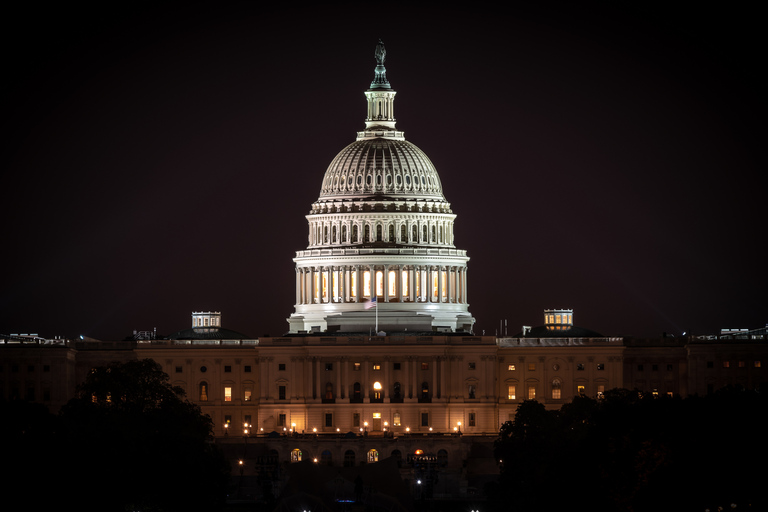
(135, 443)
(634, 452)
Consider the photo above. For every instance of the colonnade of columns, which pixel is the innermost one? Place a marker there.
(389, 283)
(329, 232)
(310, 378)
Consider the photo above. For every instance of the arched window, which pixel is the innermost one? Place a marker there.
(354, 233)
(367, 233)
(333, 238)
(415, 234)
(203, 394)
(403, 233)
(396, 419)
(378, 232)
(556, 389)
(349, 459)
(424, 234)
(325, 234)
(326, 458)
(344, 234)
(391, 233)
(373, 456)
(296, 455)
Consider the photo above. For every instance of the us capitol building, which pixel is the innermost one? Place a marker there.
(379, 368)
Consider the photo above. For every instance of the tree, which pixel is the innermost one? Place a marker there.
(137, 444)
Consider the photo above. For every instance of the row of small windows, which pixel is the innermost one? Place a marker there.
(378, 424)
(371, 456)
(436, 233)
(556, 392)
(355, 181)
(532, 367)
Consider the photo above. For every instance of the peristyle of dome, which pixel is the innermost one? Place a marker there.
(381, 233)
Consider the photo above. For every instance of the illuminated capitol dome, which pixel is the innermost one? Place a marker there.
(381, 232)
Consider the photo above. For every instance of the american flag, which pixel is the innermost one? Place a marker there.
(371, 303)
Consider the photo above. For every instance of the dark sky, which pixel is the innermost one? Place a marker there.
(161, 157)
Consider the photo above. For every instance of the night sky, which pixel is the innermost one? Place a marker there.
(160, 158)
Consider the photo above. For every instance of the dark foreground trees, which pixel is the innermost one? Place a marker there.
(129, 441)
(629, 452)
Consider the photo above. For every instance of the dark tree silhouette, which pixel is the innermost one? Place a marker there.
(135, 443)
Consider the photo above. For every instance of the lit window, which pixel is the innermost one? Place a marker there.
(425, 366)
(511, 368)
(296, 455)
(511, 392)
(556, 391)
(247, 395)
(227, 394)
(396, 419)
(742, 364)
(373, 456)
(726, 364)
(757, 364)
(392, 278)
(600, 391)
(356, 367)
(203, 395)
(531, 367)
(377, 367)
(531, 392)
(472, 419)
(580, 390)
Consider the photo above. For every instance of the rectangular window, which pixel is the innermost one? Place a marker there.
(395, 366)
(757, 364)
(227, 420)
(179, 369)
(669, 367)
(247, 395)
(355, 419)
(639, 367)
(531, 367)
(531, 392)
(511, 392)
(281, 420)
(356, 367)
(471, 419)
(580, 390)
(328, 367)
(329, 419)
(556, 393)
(396, 419)
(710, 364)
(227, 394)
(471, 366)
(726, 364)
(247, 421)
(227, 369)
(742, 364)
(281, 392)
(425, 366)
(580, 367)
(511, 368)
(600, 391)
(281, 367)
(247, 368)
(425, 419)
(600, 366)
(377, 367)
(655, 367)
